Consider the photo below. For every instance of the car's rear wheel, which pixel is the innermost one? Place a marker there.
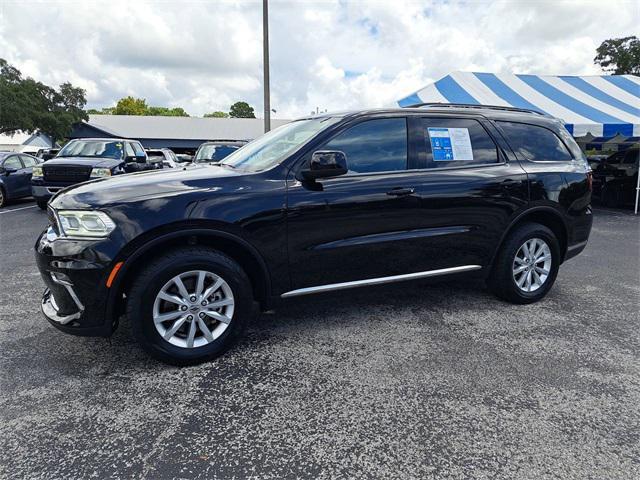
(190, 305)
(526, 265)
(3, 198)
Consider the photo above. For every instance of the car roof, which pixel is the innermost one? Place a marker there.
(224, 142)
(105, 139)
(494, 112)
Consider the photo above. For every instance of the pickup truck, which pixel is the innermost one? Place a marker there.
(86, 159)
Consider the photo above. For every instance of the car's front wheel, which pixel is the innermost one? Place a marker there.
(42, 204)
(526, 265)
(190, 305)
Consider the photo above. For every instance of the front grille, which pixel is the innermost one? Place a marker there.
(64, 173)
(53, 221)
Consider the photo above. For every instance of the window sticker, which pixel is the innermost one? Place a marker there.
(449, 144)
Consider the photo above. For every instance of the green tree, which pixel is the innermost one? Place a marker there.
(241, 110)
(619, 56)
(131, 106)
(167, 112)
(217, 114)
(104, 111)
(28, 105)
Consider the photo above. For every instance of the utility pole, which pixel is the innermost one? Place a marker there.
(265, 64)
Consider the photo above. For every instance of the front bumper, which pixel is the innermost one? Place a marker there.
(74, 272)
(42, 190)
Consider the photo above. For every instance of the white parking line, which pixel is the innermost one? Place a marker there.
(16, 209)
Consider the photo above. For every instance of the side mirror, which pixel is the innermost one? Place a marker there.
(326, 164)
(7, 170)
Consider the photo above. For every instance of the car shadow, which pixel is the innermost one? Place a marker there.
(423, 301)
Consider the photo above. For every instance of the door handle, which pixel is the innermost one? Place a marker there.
(400, 192)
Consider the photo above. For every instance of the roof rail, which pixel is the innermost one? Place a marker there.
(476, 106)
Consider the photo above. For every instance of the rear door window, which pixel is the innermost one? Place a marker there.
(535, 143)
(373, 146)
(452, 142)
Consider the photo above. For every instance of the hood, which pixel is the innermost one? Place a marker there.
(85, 161)
(150, 184)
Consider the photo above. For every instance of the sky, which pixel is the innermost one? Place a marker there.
(327, 55)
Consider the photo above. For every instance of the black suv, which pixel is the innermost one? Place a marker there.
(320, 204)
(87, 158)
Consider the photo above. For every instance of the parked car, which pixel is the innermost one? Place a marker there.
(595, 160)
(615, 179)
(184, 158)
(85, 159)
(47, 153)
(15, 175)
(164, 155)
(215, 151)
(320, 204)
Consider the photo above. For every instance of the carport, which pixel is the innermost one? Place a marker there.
(600, 105)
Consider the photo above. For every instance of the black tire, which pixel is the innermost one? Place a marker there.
(42, 204)
(3, 197)
(501, 280)
(150, 281)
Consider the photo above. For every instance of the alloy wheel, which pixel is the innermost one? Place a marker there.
(193, 309)
(532, 265)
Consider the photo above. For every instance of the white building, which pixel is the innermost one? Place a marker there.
(24, 142)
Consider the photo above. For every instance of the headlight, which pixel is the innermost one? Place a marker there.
(85, 223)
(36, 172)
(100, 172)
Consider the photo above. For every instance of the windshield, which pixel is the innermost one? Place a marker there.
(214, 153)
(273, 147)
(93, 148)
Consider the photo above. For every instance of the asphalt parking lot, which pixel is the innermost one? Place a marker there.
(404, 381)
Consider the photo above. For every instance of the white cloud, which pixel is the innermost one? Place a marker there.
(336, 55)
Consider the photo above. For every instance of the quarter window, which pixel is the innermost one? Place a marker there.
(532, 142)
(373, 146)
(451, 142)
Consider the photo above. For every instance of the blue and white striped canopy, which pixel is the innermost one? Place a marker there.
(602, 105)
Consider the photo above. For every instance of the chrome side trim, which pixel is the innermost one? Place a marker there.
(379, 281)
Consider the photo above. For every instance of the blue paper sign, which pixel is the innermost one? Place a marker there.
(441, 144)
(448, 144)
